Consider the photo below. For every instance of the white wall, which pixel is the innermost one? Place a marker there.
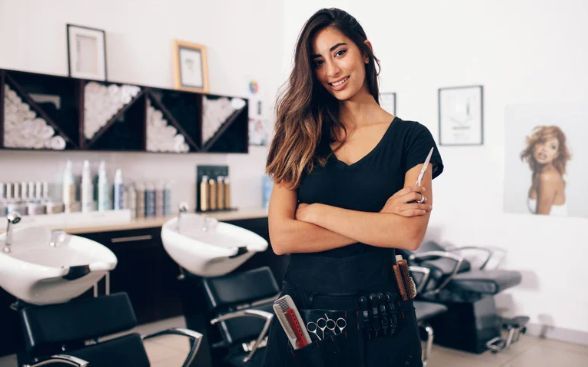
(241, 39)
(522, 51)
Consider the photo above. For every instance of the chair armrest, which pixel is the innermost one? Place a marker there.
(268, 317)
(488, 256)
(426, 272)
(430, 255)
(62, 359)
(195, 340)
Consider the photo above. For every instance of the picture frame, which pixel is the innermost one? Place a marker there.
(461, 115)
(388, 102)
(190, 66)
(86, 52)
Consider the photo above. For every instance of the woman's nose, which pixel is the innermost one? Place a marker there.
(332, 69)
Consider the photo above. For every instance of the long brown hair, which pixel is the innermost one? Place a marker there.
(541, 134)
(306, 114)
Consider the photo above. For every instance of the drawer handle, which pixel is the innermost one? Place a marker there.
(131, 238)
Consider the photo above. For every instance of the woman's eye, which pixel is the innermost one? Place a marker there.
(317, 63)
(340, 52)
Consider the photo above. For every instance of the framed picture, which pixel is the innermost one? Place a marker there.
(190, 66)
(461, 115)
(86, 52)
(388, 102)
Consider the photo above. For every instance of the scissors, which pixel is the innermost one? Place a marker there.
(336, 326)
(424, 167)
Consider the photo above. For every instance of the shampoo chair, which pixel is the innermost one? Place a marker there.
(471, 322)
(74, 334)
(241, 307)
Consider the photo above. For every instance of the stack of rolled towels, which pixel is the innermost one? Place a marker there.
(22, 127)
(102, 102)
(162, 137)
(216, 112)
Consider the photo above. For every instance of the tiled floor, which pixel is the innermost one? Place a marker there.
(169, 351)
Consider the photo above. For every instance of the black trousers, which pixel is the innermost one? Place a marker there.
(311, 289)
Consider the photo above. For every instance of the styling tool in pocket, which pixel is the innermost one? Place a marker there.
(290, 320)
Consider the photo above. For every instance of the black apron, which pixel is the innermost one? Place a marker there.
(318, 283)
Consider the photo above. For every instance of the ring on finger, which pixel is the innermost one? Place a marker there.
(422, 199)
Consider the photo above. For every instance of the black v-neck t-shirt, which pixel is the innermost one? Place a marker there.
(366, 184)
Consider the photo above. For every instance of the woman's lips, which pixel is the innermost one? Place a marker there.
(339, 84)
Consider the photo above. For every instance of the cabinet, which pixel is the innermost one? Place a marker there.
(144, 271)
(48, 112)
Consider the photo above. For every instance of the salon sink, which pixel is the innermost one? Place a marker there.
(206, 247)
(46, 267)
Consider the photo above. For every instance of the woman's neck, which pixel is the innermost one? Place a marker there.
(547, 168)
(359, 111)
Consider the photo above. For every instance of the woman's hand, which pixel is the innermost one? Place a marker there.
(405, 202)
(304, 212)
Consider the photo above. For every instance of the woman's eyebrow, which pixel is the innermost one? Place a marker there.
(331, 49)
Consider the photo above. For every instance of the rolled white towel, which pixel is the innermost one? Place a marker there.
(58, 142)
(113, 89)
(47, 132)
(237, 103)
(179, 139)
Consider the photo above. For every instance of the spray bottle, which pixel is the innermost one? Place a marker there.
(103, 188)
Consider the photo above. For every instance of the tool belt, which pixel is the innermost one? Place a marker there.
(339, 334)
(345, 303)
(375, 315)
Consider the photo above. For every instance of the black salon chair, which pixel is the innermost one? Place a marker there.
(425, 311)
(453, 278)
(468, 292)
(241, 305)
(77, 333)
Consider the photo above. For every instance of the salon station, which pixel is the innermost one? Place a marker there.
(134, 196)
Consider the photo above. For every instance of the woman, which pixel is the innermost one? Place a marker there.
(344, 199)
(547, 155)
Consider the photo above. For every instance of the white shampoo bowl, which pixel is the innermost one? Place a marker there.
(38, 273)
(209, 248)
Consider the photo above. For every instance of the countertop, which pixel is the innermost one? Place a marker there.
(138, 223)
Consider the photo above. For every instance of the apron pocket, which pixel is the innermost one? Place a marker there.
(335, 335)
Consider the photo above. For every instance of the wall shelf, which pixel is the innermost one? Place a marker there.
(43, 112)
(111, 116)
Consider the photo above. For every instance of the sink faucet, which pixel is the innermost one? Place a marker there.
(183, 209)
(58, 237)
(12, 219)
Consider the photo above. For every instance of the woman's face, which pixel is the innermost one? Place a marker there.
(546, 150)
(338, 64)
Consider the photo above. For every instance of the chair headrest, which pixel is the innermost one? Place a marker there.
(77, 320)
(243, 287)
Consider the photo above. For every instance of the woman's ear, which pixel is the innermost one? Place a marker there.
(366, 58)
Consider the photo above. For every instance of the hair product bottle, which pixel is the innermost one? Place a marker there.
(204, 194)
(159, 200)
(103, 188)
(167, 199)
(212, 193)
(149, 200)
(140, 203)
(69, 188)
(87, 188)
(220, 193)
(227, 193)
(119, 190)
(131, 200)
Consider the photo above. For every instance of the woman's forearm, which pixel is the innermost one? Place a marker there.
(376, 229)
(295, 236)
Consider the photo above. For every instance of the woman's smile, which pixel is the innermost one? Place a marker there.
(339, 84)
